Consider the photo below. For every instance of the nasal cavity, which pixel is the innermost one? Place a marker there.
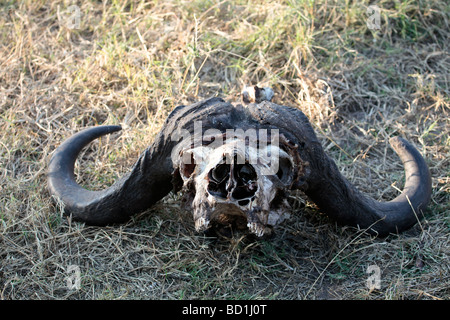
(218, 178)
(246, 182)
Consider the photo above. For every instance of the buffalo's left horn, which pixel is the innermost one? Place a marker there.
(149, 180)
(144, 185)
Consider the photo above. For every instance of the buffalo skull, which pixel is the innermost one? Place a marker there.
(236, 165)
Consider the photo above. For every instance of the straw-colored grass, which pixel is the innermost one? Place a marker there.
(132, 62)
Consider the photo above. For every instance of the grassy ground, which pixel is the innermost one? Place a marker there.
(132, 62)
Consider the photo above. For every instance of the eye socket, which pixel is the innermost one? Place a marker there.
(285, 170)
(187, 167)
(220, 173)
(246, 172)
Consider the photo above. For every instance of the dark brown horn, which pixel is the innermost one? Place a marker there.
(334, 194)
(148, 182)
(343, 202)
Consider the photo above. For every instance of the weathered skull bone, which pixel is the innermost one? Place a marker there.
(226, 183)
(237, 182)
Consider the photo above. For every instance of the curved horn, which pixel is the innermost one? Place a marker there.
(148, 182)
(343, 202)
(334, 194)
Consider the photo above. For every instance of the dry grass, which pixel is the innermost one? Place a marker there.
(132, 62)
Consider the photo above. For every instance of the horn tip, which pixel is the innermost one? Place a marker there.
(397, 141)
(114, 128)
